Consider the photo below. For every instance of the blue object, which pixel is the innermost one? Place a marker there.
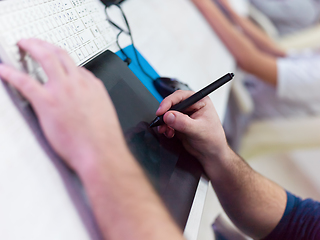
(301, 220)
(135, 68)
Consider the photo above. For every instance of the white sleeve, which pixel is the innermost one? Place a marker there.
(299, 78)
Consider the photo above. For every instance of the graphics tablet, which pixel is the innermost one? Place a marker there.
(173, 172)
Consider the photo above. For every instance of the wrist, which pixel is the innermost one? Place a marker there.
(111, 170)
(213, 162)
(100, 155)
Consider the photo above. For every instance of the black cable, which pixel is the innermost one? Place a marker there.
(131, 38)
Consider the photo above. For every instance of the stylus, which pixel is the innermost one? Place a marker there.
(180, 107)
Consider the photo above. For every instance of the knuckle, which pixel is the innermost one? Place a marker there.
(185, 92)
(179, 94)
(50, 100)
(77, 75)
(25, 83)
(60, 51)
(69, 88)
(165, 105)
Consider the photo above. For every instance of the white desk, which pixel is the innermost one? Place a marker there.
(177, 41)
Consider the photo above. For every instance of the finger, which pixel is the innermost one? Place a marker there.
(169, 132)
(31, 89)
(45, 57)
(162, 129)
(197, 106)
(190, 110)
(173, 99)
(66, 61)
(180, 122)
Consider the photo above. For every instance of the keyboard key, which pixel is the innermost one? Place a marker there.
(66, 4)
(89, 49)
(95, 31)
(93, 46)
(84, 51)
(80, 54)
(86, 36)
(79, 25)
(65, 45)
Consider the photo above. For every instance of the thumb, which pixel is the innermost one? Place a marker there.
(180, 122)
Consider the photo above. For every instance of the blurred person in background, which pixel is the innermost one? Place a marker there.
(289, 16)
(283, 85)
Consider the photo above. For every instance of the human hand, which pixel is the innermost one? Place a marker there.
(73, 107)
(200, 131)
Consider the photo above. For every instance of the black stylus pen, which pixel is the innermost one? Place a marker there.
(194, 98)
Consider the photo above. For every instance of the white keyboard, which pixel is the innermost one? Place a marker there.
(78, 26)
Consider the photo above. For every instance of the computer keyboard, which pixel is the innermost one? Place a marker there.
(78, 26)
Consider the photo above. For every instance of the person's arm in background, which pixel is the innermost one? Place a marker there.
(257, 36)
(254, 203)
(247, 55)
(80, 122)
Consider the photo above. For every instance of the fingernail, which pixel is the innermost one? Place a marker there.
(170, 118)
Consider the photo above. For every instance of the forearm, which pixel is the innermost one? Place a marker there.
(240, 47)
(247, 55)
(258, 37)
(124, 203)
(254, 203)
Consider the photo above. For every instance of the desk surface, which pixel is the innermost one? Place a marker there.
(178, 42)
